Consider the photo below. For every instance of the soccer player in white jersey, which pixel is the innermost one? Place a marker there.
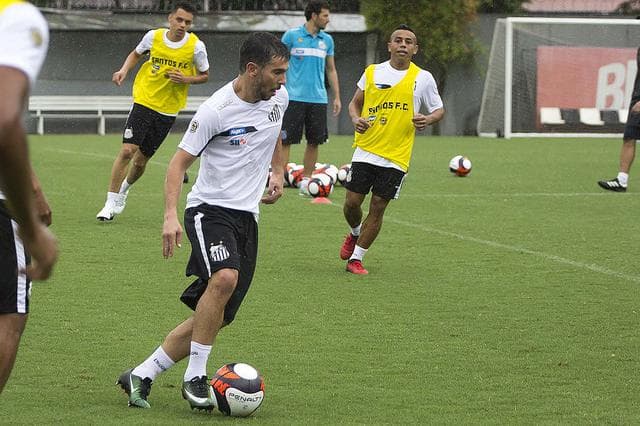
(236, 134)
(24, 211)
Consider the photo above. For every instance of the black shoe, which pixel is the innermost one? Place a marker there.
(612, 185)
(198, 393)
(185, 179)
(136, 387)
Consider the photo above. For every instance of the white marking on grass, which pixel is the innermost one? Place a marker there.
(591, 267)
(94, 155)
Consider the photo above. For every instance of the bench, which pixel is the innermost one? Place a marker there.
(97, 107)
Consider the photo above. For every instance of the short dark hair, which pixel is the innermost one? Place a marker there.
(186, 6)
(406, 28)
(260, 48)
(315, 6)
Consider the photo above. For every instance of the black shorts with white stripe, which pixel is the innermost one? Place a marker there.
(220, 238)
(385, 182)
(15, 286)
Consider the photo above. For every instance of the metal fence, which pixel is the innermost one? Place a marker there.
(345, 6)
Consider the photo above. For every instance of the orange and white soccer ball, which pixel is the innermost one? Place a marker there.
(460, 165)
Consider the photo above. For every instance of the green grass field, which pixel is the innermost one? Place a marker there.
(507, 297)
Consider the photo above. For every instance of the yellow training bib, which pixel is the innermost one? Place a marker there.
(152, 88)
(389, 112)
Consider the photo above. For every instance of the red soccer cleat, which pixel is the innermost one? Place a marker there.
(348, 246)
(355, 267)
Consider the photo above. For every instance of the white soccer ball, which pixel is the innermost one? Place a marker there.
(320, 185)
(238, 388)
(343, 172)
(460, 165)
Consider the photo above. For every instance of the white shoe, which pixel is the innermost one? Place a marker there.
(106, 213)
(119, 202)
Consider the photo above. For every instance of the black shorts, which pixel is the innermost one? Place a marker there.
(632, 128)
(15, 286)
(313, 117)
(147, 129)
(220, 238)
(385, 182)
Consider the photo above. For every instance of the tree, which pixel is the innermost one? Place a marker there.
(442, 28)
(501, 6)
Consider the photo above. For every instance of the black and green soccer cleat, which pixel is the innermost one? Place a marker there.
(137, 388)
(199, 394)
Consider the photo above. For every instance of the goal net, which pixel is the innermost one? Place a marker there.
(559, 77)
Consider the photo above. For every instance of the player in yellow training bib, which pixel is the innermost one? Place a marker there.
(385, 111)
(177, 59)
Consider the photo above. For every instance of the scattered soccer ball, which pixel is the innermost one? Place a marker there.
(343, 172)
(460, 165)
(295, 175)
(320, 185)
(238, 388)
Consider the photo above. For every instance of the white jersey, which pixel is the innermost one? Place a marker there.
(425, 96)
(199, 55)
(235, 140)
(24, 39)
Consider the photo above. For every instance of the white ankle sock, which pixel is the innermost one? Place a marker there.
(158, 362)
(197, 361)
(358, 253)
(356, 231)
(623, 178)
(125, 186)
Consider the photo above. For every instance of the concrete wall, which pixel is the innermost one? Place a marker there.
(82, 62)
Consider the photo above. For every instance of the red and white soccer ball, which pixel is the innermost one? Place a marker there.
(460, 165)
(238, 388)
(343, 172)
(320, 185)
(294, 175)
(328, 169)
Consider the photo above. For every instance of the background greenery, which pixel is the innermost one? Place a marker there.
(506, 297)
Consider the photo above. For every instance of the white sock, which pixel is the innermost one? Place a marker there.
(125, 186)
(158, 362)
(111, 197)
(356, 231)
(623, 178)
(358, 253)
(197, 361)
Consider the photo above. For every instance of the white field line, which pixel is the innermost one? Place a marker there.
(551, 257)
(546, 256)
(94, 155)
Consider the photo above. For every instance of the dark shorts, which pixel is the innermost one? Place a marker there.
(147, 129)
(632, 128)
(313, 117)
(220, 238)
(385, 182)
(15, 287)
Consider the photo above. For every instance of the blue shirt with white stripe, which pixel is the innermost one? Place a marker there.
(305, 77)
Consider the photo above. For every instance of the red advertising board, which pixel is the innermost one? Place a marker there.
(585, 77)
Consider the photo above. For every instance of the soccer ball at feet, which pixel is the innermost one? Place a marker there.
(238, 388)
(460, 165)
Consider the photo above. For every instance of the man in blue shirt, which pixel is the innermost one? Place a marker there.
(312, 56)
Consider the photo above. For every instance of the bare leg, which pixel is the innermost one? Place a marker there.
(310, 159)
(11, 328)
(209, 315)
(121, 165)
(352, 208)
(137, 168)
(373, 222)
(627, 154)
(177, 343)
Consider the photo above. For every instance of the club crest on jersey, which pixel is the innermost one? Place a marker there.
(275, 114)
(322, 45)
(218, 252)
(194, 126)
